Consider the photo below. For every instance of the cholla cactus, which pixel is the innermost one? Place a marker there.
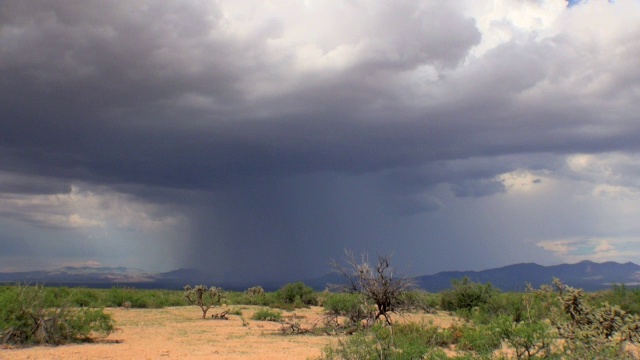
(204, 297)
(587, 329)
(255, 291)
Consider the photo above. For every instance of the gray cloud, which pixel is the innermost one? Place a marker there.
(275, 136)
(19, 184)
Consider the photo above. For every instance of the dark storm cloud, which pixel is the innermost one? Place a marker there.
(300, 129)
(97, 91)
(19, 184)
(111, 92)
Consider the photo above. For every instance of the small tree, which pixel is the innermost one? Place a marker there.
(203, 297)
(377, 284)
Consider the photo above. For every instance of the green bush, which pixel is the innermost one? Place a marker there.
(297, 294)
(361, 345)
(27, 317)
(466, 295)
(82, 297)
(114, 297)
(347, 305)
(481, 339)
(267, 315)
(405, 341)
(529, 339)
(420, 300)
(242, 298)
(517, 306)
(628, 299)
(120, 296)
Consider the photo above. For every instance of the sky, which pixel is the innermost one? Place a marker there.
(256, 140)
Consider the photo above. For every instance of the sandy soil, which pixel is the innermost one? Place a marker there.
(181, 333)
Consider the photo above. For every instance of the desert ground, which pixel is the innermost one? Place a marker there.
(181, 333)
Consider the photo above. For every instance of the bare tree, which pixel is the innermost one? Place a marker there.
(376, 284)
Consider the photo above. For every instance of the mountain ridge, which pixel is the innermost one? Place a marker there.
(586, 274)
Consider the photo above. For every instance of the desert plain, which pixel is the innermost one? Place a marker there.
(181, 333)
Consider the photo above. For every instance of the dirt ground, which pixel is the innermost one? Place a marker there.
(181, 333)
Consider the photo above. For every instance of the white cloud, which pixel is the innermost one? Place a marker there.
(526, 181)
(83, 209)
(620, 249)
(603, 247)
(560, 247)
(503, 21)
(607, 167)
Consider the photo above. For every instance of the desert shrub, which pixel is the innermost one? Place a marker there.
(410, 341)
(242, 298)
(235, 311)
(114, 297)
(403, 341)
(426, 335)
(270, 299)
(26, 317)
(81, 297)
(628, 299)
(375, 343)
(517, 306)
(466, 295)
(362, 345)
(501, 304)
(419, 300)
(170, 298)
(267, 315)
(204, 297)
(139, 298)
(119, 296)
(56, 296)
(528, 339)
(154, 299)
(345, 304)
(298, 294)
(88, 321)
(480, 339)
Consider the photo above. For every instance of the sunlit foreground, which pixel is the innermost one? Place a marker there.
(181, 333)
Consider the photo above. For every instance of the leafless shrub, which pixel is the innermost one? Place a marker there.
(221, 316)
(293, 328)
(377, 285)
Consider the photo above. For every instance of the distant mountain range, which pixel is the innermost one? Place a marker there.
(105, 277)
(587, 275)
